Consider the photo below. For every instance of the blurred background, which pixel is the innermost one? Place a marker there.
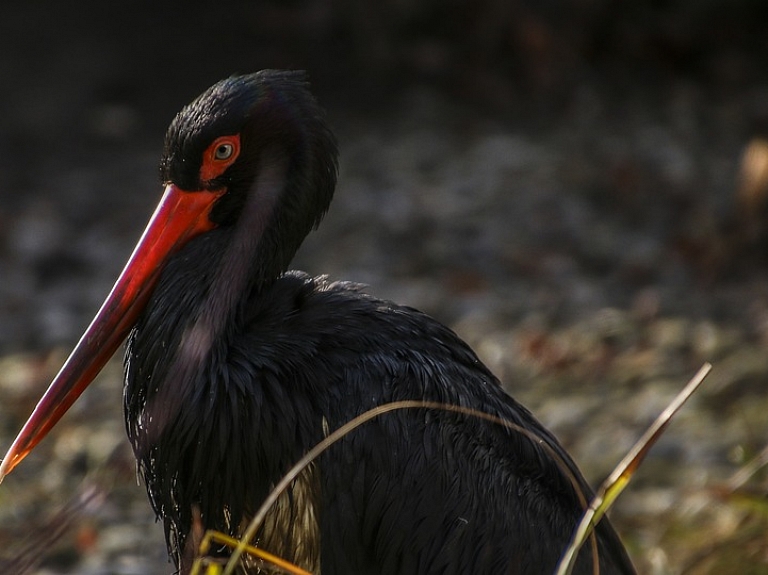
(578, 188)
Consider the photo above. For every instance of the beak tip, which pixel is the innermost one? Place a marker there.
(6, 466)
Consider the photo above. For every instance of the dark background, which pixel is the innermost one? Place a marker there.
(575, 187)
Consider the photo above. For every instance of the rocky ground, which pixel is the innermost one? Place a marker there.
(595, 250)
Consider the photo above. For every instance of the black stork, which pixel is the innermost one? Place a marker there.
(236, 367)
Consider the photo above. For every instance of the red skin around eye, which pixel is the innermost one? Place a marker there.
(213, 167)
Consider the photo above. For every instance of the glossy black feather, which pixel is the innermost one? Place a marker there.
(237, 368)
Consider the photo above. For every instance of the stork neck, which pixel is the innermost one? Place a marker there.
(246, 262)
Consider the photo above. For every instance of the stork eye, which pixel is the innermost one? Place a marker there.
(224, 151)
(218, 156)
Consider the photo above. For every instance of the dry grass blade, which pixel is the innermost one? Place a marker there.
(345, 429)
(619, 478)
(741, 477)
(218, 537)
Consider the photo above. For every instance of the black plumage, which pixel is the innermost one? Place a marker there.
(235, 368)
(218, 413)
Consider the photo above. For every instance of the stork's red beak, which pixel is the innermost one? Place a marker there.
(179, 217)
